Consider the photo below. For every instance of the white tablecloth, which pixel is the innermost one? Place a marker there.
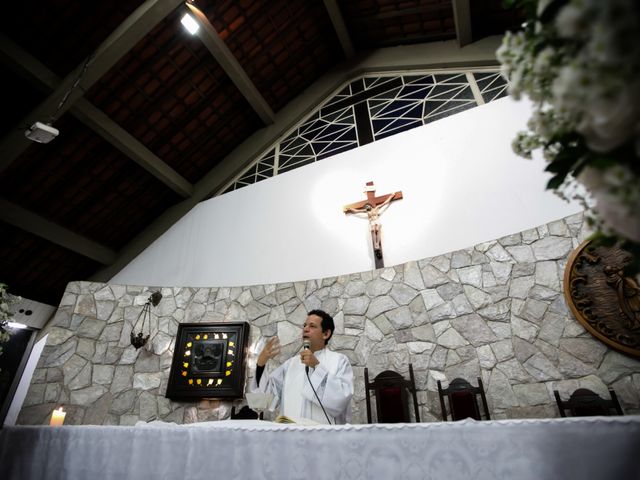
(585, 448)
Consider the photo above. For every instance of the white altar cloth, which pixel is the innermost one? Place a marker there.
(585, 448)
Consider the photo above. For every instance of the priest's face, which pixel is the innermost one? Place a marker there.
(312, 332)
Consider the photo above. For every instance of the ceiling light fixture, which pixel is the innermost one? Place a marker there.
(41, 132)
(190, 23)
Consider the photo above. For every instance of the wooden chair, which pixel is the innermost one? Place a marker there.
(463, 400)
(392, 396)
(245, 413)
(585, 403)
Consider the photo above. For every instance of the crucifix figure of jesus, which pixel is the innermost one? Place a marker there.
(373, 207)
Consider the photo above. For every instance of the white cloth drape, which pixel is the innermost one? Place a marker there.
(596, 448)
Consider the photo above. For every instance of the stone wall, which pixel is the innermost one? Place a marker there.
(495, 311)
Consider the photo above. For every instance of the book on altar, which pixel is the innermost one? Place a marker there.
(298, 421)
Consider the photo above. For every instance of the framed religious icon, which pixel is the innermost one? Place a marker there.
(208, 361)
(602, 297)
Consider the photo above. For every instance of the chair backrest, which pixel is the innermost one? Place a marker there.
(462, 398)
(585, 403)
(391, 392)
(245, 413)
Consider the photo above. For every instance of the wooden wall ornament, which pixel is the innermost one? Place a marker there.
(602, 298)
(208, 361)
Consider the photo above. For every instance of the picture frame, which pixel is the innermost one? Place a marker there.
(208, 361)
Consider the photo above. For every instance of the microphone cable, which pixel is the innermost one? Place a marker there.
(316, 393)
(305, 346)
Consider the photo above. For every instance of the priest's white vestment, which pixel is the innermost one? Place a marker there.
(332, 380)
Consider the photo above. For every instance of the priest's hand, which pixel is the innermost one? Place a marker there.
(308, 358)
(270, 350)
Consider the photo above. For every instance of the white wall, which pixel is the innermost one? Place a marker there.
(25, 381)
(461, 183)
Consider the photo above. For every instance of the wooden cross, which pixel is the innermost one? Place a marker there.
(373, 207)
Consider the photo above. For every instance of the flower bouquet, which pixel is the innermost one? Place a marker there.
(579, 63)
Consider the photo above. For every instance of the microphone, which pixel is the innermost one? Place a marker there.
(306, 346)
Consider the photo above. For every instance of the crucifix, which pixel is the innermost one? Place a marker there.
(373, 207)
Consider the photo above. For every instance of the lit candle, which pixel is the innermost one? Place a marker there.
(57, 417)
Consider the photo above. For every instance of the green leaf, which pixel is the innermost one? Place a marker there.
(556, 181)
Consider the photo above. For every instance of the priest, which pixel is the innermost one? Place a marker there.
(316, 384)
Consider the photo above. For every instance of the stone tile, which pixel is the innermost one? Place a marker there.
(486, 357)
(460, 259)
(571, 367)
(400, 317)
(500, 391)
(413, 277)
(378, 306)
(521, 253)
(379, 287)
(514, 371)
(540, 368)
(477, 297)
(499, 311)
(451, 339)
(474, 330)
(520, 287)
(447, 291)
(498, 254)
(403, 294)
(552, 248)
(471, 275)
(523, 329)
(433, 277)
(431, 298)
(588, 350)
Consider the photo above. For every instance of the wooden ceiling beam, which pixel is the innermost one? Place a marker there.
(231, 66)
(45, 80)
(100, 123)
(337, 20)
(423, 9)
(33, 223)
(462, 20)
(123, 39)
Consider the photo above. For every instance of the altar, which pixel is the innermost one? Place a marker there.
(563, 448)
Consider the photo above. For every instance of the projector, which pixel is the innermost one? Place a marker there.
(41, 133)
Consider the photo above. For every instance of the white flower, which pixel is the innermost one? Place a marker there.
(581, 69)
(618, 211)
(610, 122)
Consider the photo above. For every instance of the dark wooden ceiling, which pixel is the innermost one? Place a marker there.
(145, 110)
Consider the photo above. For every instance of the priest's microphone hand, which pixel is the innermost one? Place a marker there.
(270, 350)
(307, 357)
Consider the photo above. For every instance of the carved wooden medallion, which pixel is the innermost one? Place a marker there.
(602, 298)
